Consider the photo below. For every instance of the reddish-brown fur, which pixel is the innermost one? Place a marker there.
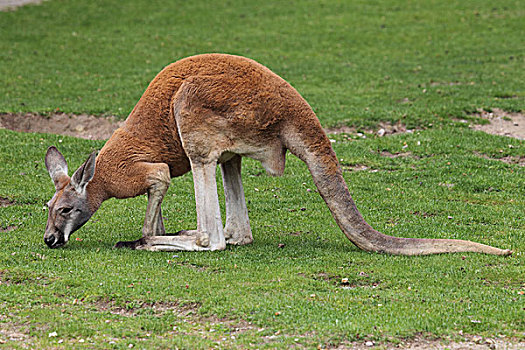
(150, 132)
(206, 109)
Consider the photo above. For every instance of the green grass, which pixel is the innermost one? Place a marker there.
(275, 294)
(357, 63)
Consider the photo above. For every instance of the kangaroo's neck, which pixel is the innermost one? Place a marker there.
(97, 192)
(106, 181)
(120, 170)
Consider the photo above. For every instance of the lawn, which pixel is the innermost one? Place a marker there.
(356, 62)
(301, 283)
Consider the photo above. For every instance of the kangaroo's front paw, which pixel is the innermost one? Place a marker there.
(130, 244)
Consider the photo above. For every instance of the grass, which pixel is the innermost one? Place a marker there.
(357, 63)
(276, 295)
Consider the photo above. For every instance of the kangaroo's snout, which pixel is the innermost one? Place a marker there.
(54, 240)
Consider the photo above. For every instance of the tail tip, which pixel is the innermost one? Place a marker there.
(507, 252)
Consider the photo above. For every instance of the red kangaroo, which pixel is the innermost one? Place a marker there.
(199, 112)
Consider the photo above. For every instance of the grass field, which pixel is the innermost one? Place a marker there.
(356, 62)
(424, 64)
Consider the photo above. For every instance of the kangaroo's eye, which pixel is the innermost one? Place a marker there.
(65, 210)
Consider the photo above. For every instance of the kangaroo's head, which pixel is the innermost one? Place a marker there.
(69, 208)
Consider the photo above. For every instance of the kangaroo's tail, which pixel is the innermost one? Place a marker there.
(309, 142)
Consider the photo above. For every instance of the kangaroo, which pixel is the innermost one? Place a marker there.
(197, 113)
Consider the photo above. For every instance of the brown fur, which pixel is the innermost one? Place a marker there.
(207, 109)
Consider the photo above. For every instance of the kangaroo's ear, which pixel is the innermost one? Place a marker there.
(56, 165)
(84, 174)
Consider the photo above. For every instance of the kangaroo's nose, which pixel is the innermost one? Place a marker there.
(50, 241)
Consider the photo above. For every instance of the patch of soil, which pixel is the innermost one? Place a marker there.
(156, 308)
(82, 125)
(357, 167)
(422, 343)
(343, 282)
(423, 214)
(398, 155)
(10, 5)
(6, 202)
(519, 160)
(383, 129)
(188, 312)
(11, 334)
(513, 160)
(101, 128)
(502, 123)
(8, 228)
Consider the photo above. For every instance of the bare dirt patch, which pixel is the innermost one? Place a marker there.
(101, 128)
(10, 5)
(132, 308)
(398, 155)
(383, 129)
(82, 125)
(502, 123)
(6, 202)
(519, 160)
(422, 343)
(357, 167)
(12, 333)
(423, 214)
(187, 311)
(8, 228)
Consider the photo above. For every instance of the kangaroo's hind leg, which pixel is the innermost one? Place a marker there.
(209, 223)
(237, 229)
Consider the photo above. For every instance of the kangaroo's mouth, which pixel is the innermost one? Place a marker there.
(53, 241)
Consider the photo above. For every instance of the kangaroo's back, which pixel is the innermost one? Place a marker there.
(254, 88)
(246, 94)
(254, 94)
